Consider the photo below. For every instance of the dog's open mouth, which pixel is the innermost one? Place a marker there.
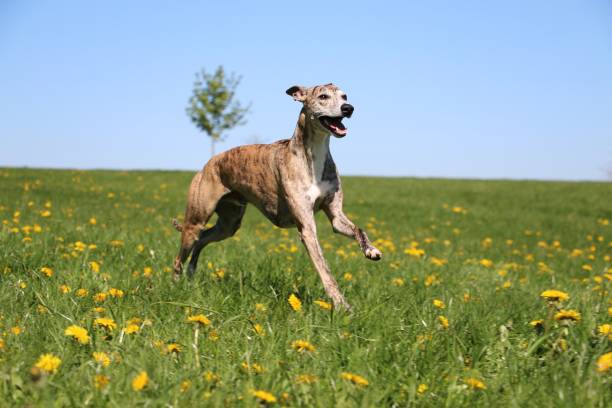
(334, 125)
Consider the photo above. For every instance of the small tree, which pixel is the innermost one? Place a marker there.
(212, 106)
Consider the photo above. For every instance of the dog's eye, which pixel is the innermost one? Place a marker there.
(323, 97)
(344, 97)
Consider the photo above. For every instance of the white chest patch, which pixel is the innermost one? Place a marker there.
(317, 190)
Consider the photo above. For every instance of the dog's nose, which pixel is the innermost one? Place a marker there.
(347, 109)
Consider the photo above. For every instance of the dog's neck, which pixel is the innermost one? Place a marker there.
(313, 144)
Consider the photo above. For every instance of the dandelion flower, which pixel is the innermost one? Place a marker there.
(354, 378)
(81, 292)
(259, 329)
(475, 383)
(199, 319)
(554, 295)
(48, 272)
(131, 328)
(487, 263)
(95, 266)
(323, 304)
(605, 330)
(48, 363)
(264, 396)
(105, 322)
(101, 381)
(116, 293)
(295, 303)
(101, 358)
(305, 379)
(568, 315)
(173, 348)
(254, 368)
(302, 345)
(78, 333)
(140, 381)
(443, 322)
(604, 362)
(438, 303)
(398, 282)
(536, 323)
(422, 389)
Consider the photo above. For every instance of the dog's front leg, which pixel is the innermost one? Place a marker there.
(308, 234)
(342, 225)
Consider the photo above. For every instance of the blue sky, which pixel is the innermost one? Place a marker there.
(474, 89)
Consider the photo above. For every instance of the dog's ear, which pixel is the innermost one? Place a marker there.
(297, 92)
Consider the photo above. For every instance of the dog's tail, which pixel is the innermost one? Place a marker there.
(177, 225)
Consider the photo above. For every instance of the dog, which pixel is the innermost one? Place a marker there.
(288, 181)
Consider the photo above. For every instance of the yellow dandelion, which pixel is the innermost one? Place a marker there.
(100, 297)
(295, 303)
(604, 362)
(48, 363)
(306, 379)
(259, 329)
(568, 315)
(211, 377)
(116, 293)
(605, 330)
(101, 381)
(173, 348)
(260, 307)
(81, 292)
(95, 266)
(414, 252)
(443, 322)
(536, 323)
(398, 282)
(354, 378)
(302, 345)
(105, 322)
(323, 304)
(140, 381)
(93, 221)
(348, 277)
(475, 383)
(487, 263)
(45, 270)
(438, 304)
(554, 295)
(101, 358)
(199, 319)
(254, 368)
(422, 389)
(131, 328)
(264, 396)
(78, 333)
(65, 288)
(16, 330)
(185, 385)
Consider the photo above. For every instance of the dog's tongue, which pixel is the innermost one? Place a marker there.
(338, 128)
(339, 131)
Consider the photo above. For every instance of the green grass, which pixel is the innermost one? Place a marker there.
(393, 337)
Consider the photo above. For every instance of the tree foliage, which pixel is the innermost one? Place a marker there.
(213, 107)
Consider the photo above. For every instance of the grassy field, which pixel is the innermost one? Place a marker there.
(449, 317)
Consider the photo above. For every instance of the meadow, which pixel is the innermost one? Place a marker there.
(455, 314)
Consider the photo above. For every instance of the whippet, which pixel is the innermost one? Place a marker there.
(288, 181)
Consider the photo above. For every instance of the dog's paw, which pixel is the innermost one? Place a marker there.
(373, 253)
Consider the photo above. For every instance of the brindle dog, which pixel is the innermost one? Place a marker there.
(288, 181)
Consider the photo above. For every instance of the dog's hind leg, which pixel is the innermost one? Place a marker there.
(230, 214)
(342, 225)
(204, 193)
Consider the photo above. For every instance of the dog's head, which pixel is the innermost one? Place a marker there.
(325, 105)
